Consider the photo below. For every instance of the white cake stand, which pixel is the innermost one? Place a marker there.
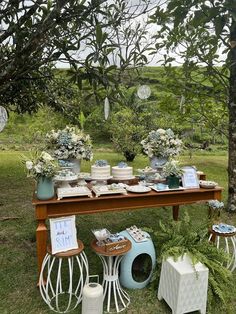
(65, 181)
(100, 181)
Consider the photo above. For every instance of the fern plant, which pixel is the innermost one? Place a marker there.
(183, 237)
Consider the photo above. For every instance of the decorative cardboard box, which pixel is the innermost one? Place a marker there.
(116, 246)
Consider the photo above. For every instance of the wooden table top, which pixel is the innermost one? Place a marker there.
(130, 195)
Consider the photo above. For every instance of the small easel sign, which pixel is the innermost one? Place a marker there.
(63, 234)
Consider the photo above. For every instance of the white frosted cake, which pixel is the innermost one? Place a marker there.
(122, 173)
(101, 170)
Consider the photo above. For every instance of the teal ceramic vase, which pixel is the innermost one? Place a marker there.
(45, 188)
(173, 182)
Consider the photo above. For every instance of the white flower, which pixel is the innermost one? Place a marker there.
(74, 138)
(46, 156)
(161, 131)
(38, 168)
(29, 164)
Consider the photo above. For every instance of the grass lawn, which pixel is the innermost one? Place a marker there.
(18, 269)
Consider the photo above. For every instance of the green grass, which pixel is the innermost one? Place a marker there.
(18, 268)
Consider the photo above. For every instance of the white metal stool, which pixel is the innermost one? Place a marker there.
(181, 287)
(111, 285)
(227, 242)
(62, 295)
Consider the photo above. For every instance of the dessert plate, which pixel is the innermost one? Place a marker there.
(223, 228)
(207, 184)
(138, 189)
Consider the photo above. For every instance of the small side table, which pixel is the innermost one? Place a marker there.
(63, 295)
(181, 288)
(227, 242)
(111, 285)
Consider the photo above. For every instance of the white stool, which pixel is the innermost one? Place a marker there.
(227, 242)
(111, 284)
(181, 287)
(63, 295)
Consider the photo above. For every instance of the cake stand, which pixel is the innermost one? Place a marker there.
(130, 181)
(65, 181)
(100, 181)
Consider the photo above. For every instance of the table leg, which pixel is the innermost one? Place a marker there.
(41, 239)
(175, 212)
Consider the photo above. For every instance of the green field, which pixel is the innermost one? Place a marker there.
(18, 275)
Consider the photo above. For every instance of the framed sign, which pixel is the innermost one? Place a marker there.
(63, 234)
(190, 178)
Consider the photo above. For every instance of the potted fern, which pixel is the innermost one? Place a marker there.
(175, 239)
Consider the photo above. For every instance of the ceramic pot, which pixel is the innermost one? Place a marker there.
(173, 182)
(158, 161)
(76, 165)
(45, 188)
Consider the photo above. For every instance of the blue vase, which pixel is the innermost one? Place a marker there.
(45, 188)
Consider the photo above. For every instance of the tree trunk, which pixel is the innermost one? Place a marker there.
(232, 121)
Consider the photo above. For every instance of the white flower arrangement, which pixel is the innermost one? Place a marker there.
(215, 204)
(70, 143)
(40, 164)
(163, 143)
(172, 168)
(215, 209)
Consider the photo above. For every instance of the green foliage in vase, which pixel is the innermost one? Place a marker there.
(172, 168)
(174, 239)
(40, 164)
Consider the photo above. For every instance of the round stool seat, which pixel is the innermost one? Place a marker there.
(62, 278)
(69, 253)
(227, 242)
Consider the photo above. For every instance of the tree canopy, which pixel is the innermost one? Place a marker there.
(201, 35)
(87, 35)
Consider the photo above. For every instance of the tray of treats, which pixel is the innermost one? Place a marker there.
(73, 191)
(108, 189)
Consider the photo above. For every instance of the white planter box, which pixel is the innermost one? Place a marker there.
(181, 287)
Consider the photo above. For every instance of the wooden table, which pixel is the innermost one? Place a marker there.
(85, 205)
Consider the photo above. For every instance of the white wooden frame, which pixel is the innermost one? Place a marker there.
(190, 178)
(63, 234)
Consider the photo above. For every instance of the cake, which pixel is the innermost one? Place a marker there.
(101, 170)
(122, 172)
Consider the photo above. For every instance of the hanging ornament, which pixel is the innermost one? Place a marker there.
(181, 104)
(3, 118)
(144, 92)
(106, 108)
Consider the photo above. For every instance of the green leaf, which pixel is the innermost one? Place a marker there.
(219, 23)
(99, 34)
